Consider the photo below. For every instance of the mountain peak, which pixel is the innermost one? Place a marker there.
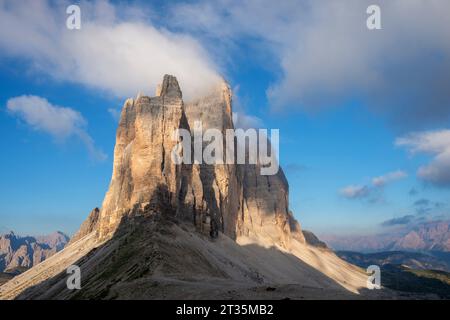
(11, 233)
(169, 87)
(8, 234)
(215, 221)
(234, 199)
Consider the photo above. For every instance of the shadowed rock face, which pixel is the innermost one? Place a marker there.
(233, 199)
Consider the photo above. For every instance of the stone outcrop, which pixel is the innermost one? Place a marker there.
(88, 226)
(228, 198)
(313, 240)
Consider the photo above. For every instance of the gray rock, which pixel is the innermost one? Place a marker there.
(233, 199)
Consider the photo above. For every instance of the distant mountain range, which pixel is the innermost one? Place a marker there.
(427, 236)
(413, 272)
(433, 260)
(413, 259)
(18, 253)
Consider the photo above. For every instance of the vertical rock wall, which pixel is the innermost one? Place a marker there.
(228, 198)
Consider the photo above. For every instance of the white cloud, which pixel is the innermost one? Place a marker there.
(325, 55)
(117, 49)
(245, 121)
(436, 143)
(241, 118)
(373, 191)
(391, 176)
(321, 51)
(355, 192)
(60, 122)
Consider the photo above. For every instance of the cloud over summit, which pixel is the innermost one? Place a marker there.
(320, 52)
(117, 50)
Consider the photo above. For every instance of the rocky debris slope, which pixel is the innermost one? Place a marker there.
(159, 257)
(165, 229)
(17, 251)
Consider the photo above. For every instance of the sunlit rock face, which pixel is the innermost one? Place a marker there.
(233, 199)
(142, 156)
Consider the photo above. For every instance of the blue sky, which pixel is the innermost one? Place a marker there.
(351, 106)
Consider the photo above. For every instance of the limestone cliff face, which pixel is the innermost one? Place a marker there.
(265, 207)
(221, 188)
(143, 173)
(245, 202)
(233, 199)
